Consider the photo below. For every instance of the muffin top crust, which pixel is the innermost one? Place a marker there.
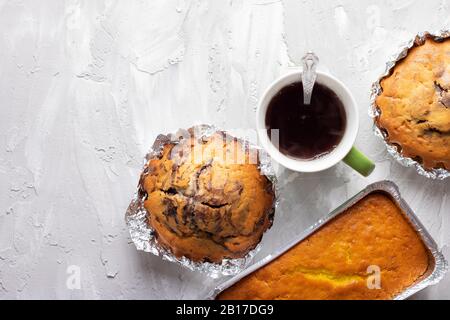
(415, 105)
(206, 198)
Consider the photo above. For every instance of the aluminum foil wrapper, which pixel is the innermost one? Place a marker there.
(143, 235)
(437, 267)
(374, 112)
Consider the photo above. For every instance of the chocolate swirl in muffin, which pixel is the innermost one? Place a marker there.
(206, 198)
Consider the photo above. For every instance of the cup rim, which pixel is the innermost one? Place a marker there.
(323, 162)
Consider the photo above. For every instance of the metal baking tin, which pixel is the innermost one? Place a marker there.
(143, 236)
(374, 111)
(437, 267)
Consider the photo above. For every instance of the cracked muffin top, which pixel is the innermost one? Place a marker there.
(415, 105)
(206, 198)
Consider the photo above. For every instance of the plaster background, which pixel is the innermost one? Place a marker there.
(85, 87)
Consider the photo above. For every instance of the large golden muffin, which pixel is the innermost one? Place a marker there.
(415, 104)
(206, 197)
(333, 262)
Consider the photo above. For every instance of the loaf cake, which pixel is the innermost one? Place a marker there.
(206, 198)
(414, 105)
(333, 262)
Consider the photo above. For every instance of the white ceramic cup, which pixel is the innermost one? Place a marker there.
(343, 151)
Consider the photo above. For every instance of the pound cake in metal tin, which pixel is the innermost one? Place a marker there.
(337, 260)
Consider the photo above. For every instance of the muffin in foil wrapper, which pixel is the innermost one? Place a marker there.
(374, 111)
(143, 235)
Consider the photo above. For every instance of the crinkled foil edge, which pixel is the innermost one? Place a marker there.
(143, 236)
(374, 112)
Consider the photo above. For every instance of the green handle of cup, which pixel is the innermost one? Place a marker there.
(359, 162)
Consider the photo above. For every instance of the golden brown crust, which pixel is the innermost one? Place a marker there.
(206, 198)
(332, 263)
(415, 104)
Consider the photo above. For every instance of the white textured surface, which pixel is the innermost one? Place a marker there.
(85, 87)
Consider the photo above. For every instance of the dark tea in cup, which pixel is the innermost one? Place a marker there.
(306, 132)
